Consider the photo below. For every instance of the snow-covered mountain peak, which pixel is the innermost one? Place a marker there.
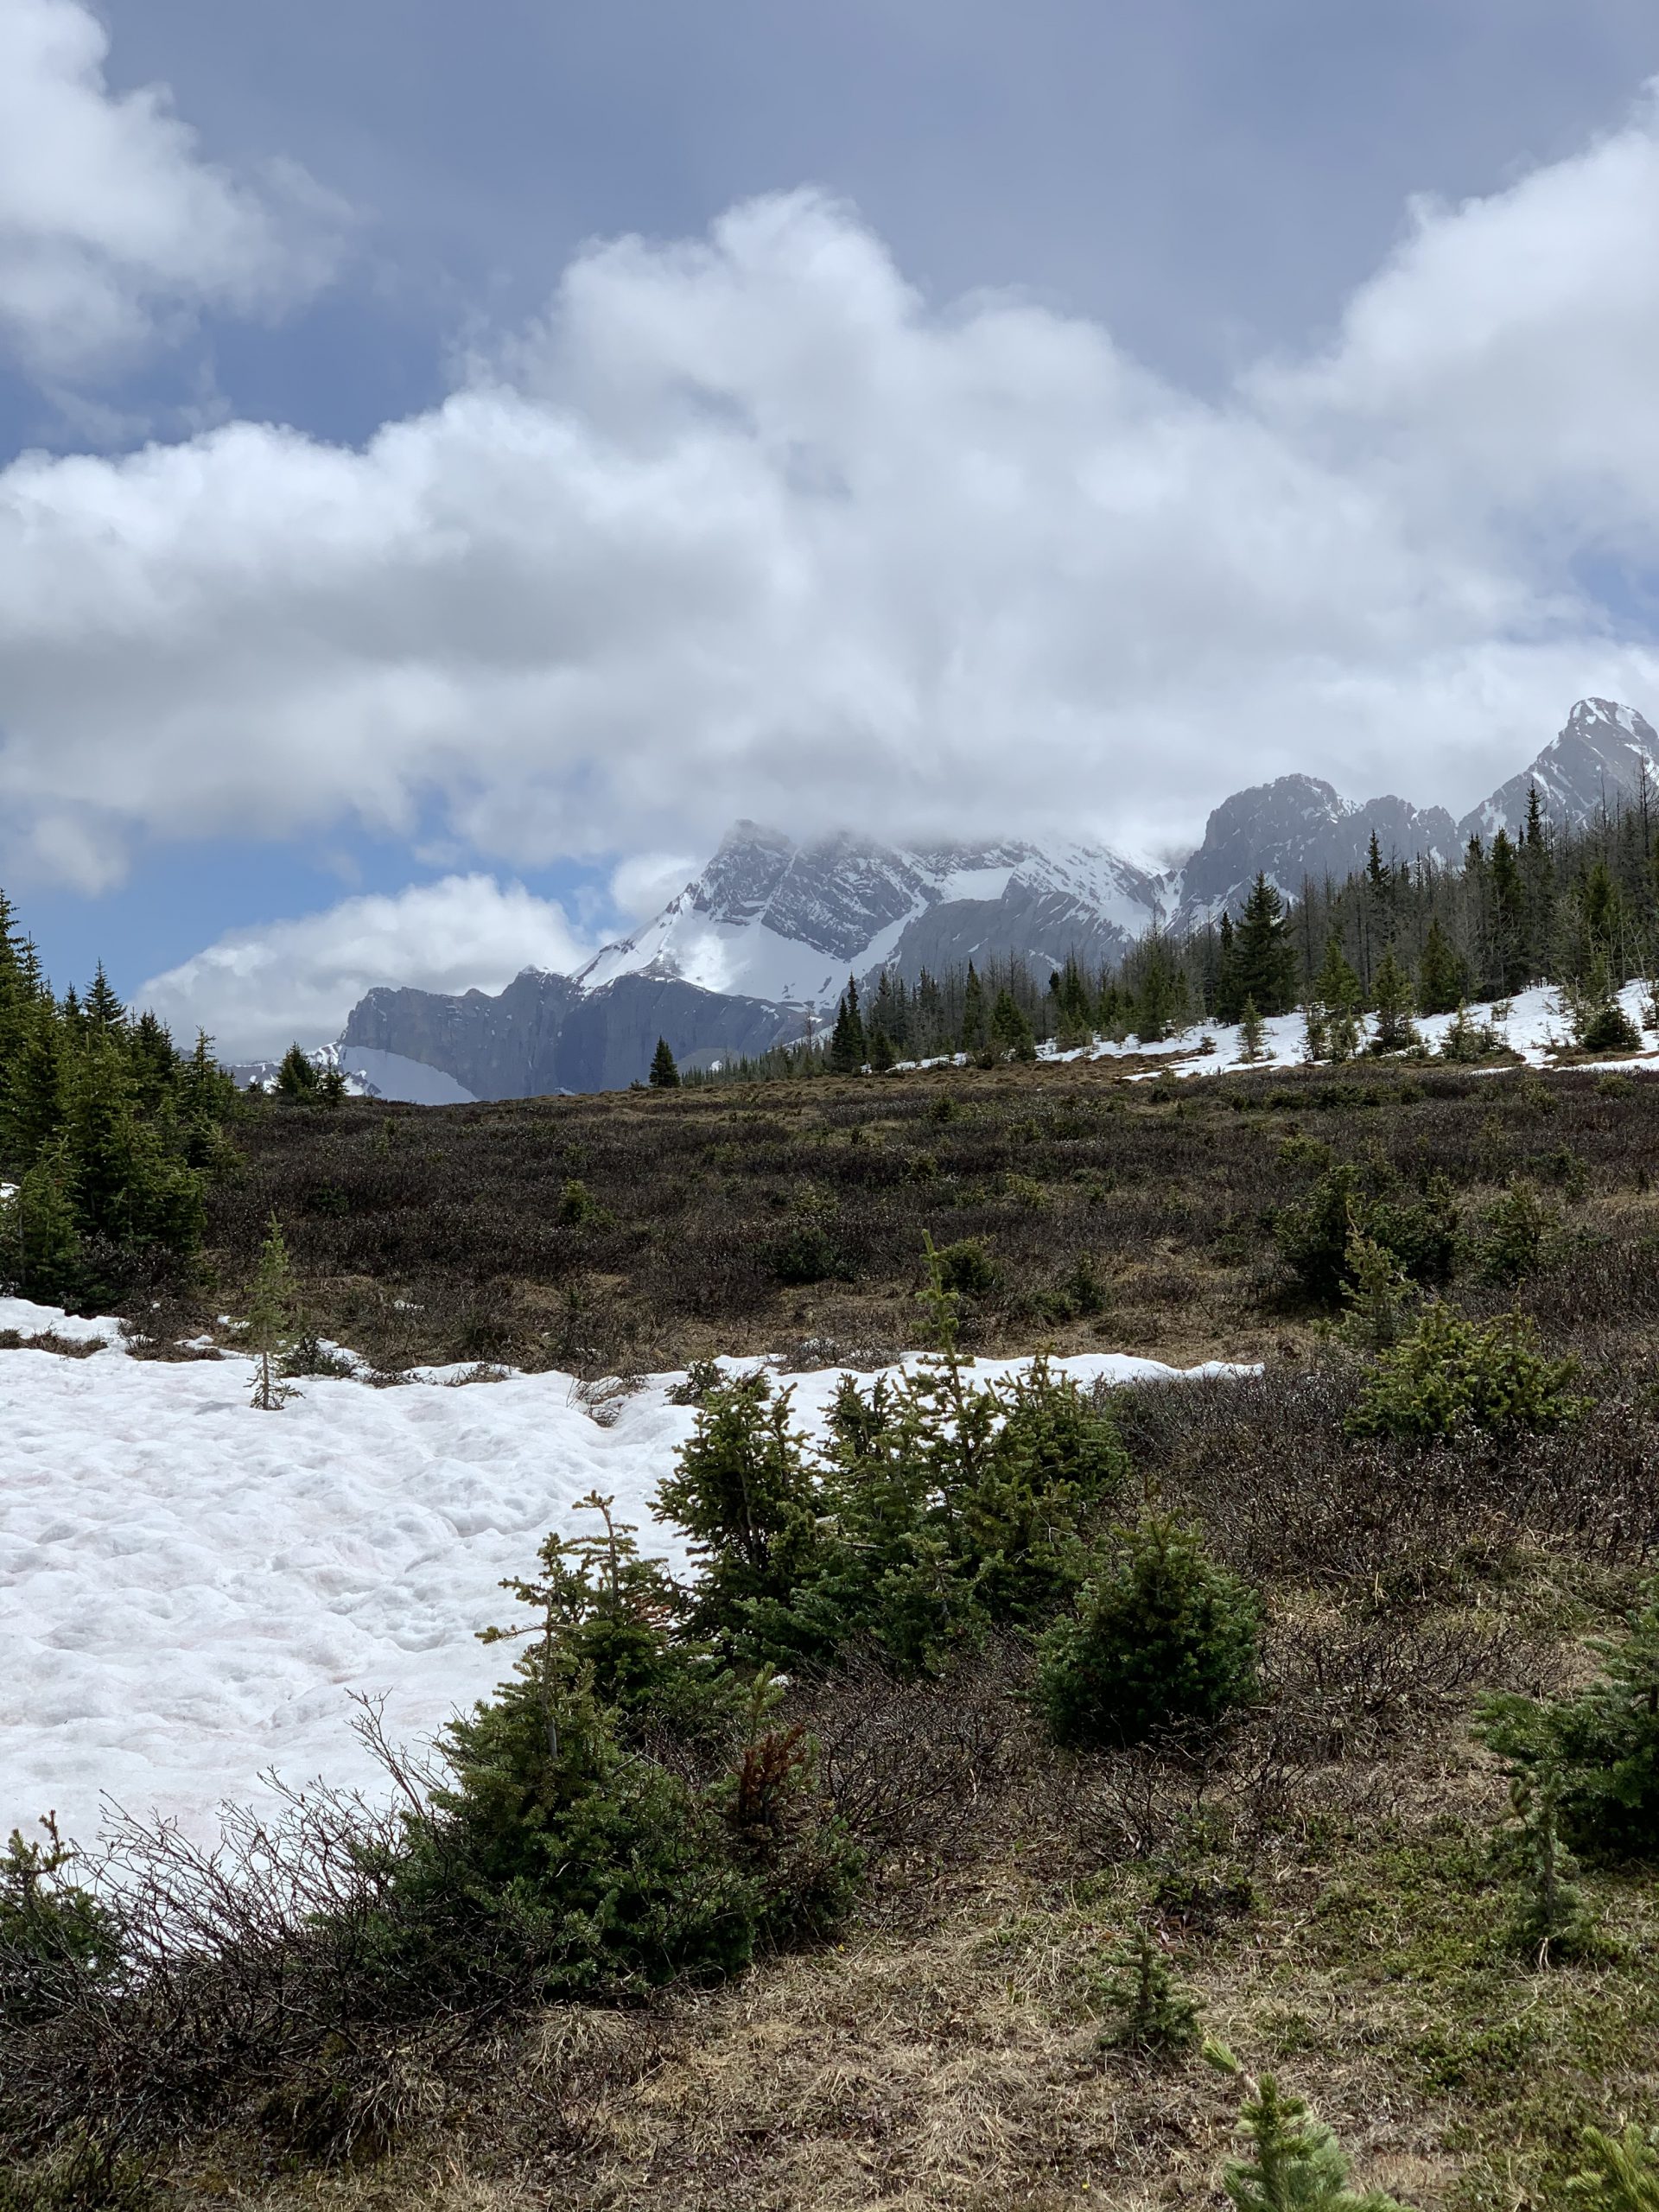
(1600, 758)
(770, 918)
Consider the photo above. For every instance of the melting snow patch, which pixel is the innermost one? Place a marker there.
(193, 1589)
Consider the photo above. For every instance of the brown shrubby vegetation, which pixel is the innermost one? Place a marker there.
(1322, 1868)
(1101, 1212)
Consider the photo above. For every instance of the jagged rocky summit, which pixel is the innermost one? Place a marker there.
(755, 949)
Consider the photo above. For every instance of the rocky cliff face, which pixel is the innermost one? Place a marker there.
(544, 1033)
(1599, 759)
(1297, 828)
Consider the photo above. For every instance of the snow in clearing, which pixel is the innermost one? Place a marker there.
(1533, 1024)
(191, 1589)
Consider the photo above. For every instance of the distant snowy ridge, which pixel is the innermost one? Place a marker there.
(771, 919)
(755, 950)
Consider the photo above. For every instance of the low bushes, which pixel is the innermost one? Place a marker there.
(1448, 1374)
(938, 1509)
(1161, 1637)
(1596, 1756)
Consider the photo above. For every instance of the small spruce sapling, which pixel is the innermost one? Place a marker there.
(1155, 2016)
(1551, 1916)
(1251, 1033)
(1377, 1293)
(297, 1076)
(1292, 2161)
(273, 1321)
(1620, 2173)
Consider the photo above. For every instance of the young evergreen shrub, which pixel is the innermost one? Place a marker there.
(56, 1938)
(1160, 1637)
(1378, 1295)
(936, 1510)
(1152, 2015)
(297, 1077)
(1467, 1040)
(744, 1491)
(1449, 1374)
(1423, 1235)
(1518, 1234)
(966, 1267)
(1620, 2172)
(1551, 1917)
(1599, 1751)
(273, 1321)
(1608, 1028)
(1292, 2161)
(556, 1861)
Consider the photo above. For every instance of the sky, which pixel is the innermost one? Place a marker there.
(454, 462)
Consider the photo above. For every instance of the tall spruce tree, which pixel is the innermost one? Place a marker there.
(1264, 954)
(1442, 977)
(974, 1036)
(665, 1070)
(848, 1047)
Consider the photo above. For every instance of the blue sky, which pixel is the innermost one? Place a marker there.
(1058, 414)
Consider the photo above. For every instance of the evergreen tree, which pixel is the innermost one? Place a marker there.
(1227, 1002)
(104, 1011)
(297, 1076)
(1264, 955)
(848, 1047)
(883, 1057)
(1335, 991)
(1621, 2174)
(1292, 2161)
(664, 1072)
(44, 1230)
(1155, 2016)
(1251, 1034)
(1442, 977)
(1391, 989)
(1508, 913)
(273, 1321)
(1011, 1034)
(973, 1013)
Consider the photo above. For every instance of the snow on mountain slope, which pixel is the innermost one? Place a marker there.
(1602, 757)
(769, 919)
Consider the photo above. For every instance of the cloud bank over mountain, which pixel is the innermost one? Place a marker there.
(747, 525)
(296, 979)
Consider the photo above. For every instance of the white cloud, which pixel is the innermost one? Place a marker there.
(257, 988)
(111, 224)
(641, 886)
(747, 526)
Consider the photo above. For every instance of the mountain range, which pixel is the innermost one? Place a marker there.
(759, 946)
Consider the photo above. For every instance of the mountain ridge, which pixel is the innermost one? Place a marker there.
(757, 947)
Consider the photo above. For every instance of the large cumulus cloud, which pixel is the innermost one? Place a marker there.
(257, 989)
(747, 525)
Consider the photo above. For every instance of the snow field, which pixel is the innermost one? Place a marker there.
(1536, 1028)
(190, 1589)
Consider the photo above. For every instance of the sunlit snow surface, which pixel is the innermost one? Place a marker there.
(190, 1589)
(1536, 1028)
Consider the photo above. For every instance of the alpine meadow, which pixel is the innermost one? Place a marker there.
(829, 1107)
